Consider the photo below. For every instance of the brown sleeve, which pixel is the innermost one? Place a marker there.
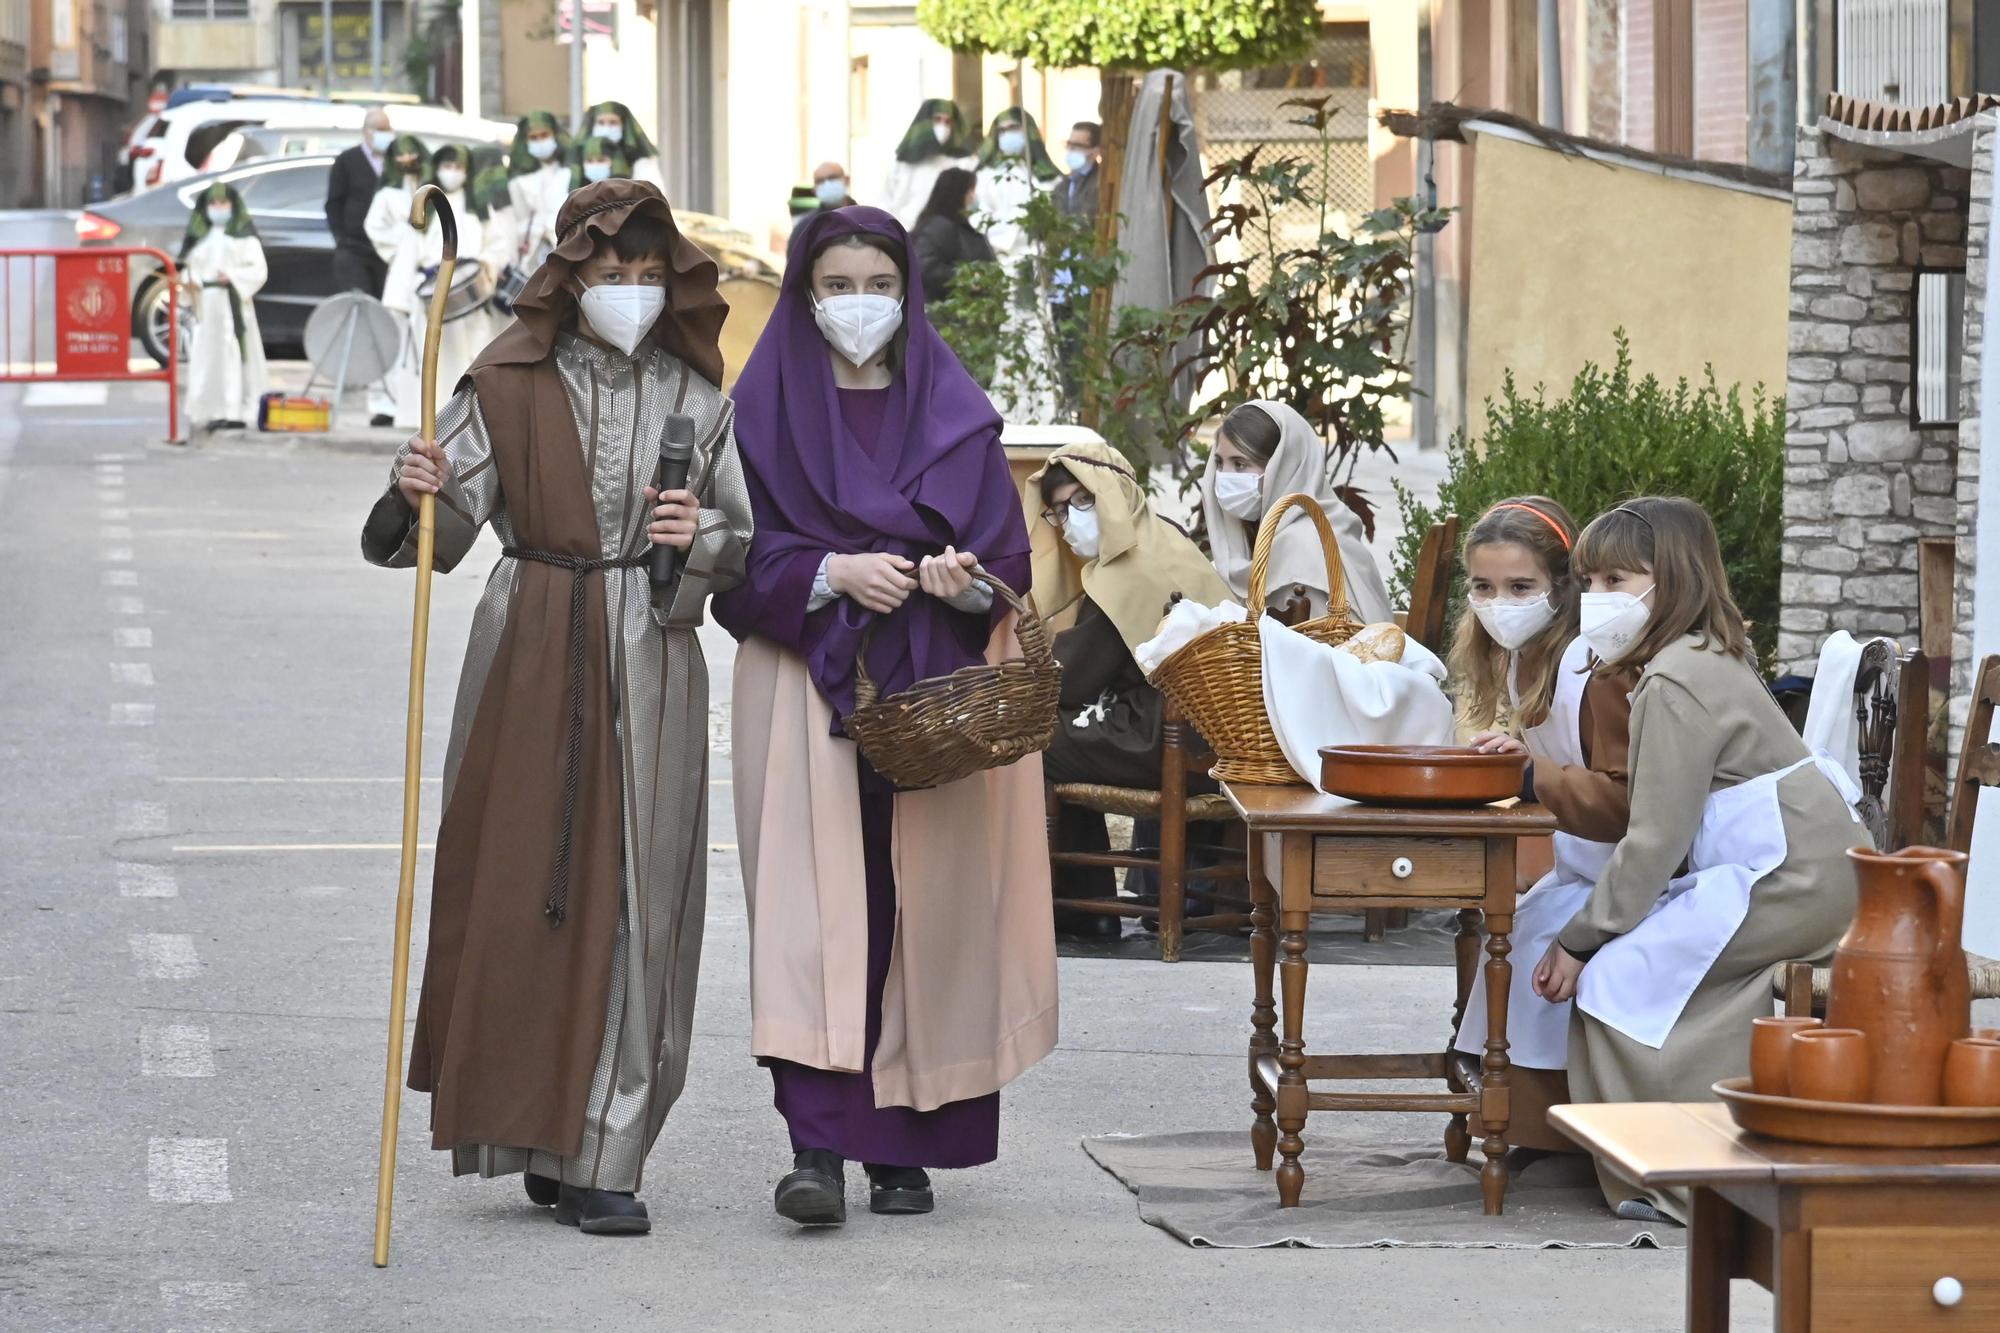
(1594, 801)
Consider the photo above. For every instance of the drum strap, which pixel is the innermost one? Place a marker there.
(557, 906)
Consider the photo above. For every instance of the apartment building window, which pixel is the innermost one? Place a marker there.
(211, 9)
(119, 47)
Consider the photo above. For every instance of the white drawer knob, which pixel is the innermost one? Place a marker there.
(1401, 867)
(1947, 1291)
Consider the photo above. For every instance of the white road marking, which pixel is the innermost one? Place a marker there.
(232, 847)
(141, 818)
(267, 781)
(165, 957)
(115, 515)
(132, 637)
(132, 715)
(136, 879)
(125, 606)
(117, 555)
(132, 673)
(114, 532)
(121, 578)
(176, 1051)
(188, 1170)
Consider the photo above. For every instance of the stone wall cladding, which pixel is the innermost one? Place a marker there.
(1861, 484)
(1986, 138)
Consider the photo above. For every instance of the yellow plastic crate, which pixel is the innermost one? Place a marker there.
(275, 411)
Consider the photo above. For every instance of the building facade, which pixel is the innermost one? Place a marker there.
(88, 62)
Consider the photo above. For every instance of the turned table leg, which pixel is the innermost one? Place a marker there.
(1465, 950)
(1263, 1012)
(1292, 1091)
(1493, 1100)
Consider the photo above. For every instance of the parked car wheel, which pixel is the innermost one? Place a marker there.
(149, 321)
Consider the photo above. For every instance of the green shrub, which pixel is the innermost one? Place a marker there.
(1613, 437)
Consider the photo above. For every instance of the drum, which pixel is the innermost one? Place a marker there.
(471, 289)
(751, 300)
(514, 279)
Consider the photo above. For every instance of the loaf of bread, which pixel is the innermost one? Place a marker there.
(1377, 643)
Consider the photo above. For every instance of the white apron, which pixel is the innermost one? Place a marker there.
(1639, 983)
(1537, 1031)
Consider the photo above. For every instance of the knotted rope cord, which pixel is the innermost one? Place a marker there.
(557, 906)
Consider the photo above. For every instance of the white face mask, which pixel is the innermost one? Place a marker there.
(219, 214)
(622, 314)
(597, 171)
(1077, 158)
(831, 192)
(1081, 532)
(1240, 495)
(609, 129)
(382, 139)
(941, 131)
(1612, 621)
(1013, 142)
(1512, 624)
(858, 324)
(542, 149)
(451, 179)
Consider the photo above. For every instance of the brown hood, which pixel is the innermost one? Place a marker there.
(689, 327)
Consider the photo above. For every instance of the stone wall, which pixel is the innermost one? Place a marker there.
(1861, 484)
(1986, 137)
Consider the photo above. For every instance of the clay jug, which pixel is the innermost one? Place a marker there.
(1899, 972)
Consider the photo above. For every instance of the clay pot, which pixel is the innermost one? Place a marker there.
(1899, 973)
(1770, 1052)
(1829, 1065)
(1972, 1072)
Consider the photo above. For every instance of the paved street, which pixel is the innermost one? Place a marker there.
(202, 688)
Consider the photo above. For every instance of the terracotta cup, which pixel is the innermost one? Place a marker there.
(1770, 1052)
(1829, 1065)
(1972, 1072)
(1991, 1034)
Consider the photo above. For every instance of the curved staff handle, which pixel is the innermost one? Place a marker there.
(428, 196)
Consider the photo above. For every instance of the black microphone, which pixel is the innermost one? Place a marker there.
(676, 454)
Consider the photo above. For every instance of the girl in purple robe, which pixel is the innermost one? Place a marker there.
(902, 949)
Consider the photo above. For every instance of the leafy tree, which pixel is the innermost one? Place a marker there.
(1126, 35)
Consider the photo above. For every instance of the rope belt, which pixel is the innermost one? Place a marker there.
(578, 566)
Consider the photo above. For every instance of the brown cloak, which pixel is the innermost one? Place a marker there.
(512, 1010)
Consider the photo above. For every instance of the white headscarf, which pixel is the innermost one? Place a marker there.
(1297, 464)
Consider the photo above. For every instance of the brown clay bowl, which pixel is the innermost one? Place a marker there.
(1858, 1124)
(1420, 774)
(1771, 1050)
(1972, 1072)
(1828, 1065)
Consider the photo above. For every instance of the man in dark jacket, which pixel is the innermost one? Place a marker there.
(350, 189)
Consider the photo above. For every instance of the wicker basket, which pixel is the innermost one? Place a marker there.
(1218, 679)
(979, 717)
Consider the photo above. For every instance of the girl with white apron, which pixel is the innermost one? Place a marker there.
(1734, 860)
(538, 182)
(222, 268)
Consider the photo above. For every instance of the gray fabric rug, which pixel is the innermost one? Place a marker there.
(1205, 1189)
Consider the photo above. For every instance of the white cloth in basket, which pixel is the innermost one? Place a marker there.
(1185, 622)
(1317, 696)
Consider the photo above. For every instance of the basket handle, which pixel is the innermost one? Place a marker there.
(1329, 546)
(1029, 629)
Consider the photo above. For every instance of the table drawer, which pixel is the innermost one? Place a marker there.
(1399, 867)
(1877, 1279)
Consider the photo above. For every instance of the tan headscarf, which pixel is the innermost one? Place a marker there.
(1142, 561)
(1298, 464)
(690, 327)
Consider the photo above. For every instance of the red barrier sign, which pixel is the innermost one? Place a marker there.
(93, 315)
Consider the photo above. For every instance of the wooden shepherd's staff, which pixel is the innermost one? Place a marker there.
(428, 197)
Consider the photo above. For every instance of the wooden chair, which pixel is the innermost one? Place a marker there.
(1180, 757)
(1803, 987)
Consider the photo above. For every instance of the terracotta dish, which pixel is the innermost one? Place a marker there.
(1858, 1124)
(1420, 774)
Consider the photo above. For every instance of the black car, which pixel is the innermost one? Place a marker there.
(286, 197)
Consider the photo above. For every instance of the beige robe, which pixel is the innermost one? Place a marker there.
(1702, 722)
(970, 1000)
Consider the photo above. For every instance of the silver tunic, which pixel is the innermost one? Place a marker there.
(660, 686)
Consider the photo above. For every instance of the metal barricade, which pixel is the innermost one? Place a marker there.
(85, 296)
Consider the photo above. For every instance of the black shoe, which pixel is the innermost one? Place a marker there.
(815, 1193)
(1089, 925)
(233, 424)
(899, 1190)
(602, 1212)
(541, 1189)
(381, 419)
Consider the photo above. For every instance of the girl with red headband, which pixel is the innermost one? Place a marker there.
(1525, 686)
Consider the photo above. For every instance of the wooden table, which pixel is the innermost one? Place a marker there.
(1847, 1240)
(1331, 855)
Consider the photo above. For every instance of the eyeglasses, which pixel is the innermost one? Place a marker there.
(1058, 513)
